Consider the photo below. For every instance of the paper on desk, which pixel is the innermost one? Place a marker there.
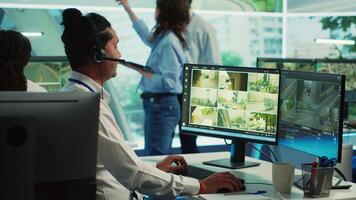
(233, 197)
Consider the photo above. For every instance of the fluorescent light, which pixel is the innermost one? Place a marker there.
(331, 41)
(32, 34)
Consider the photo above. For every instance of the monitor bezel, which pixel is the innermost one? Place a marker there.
(48, 59)
(327, 60)
(243, 69)
(341, 108)
(78, 102)
(297, 60)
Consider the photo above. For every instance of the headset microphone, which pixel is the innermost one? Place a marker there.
(101, 58)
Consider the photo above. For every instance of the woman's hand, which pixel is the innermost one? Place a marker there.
(124, 3)
(173, 164)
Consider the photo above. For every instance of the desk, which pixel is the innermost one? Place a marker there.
(260, 174)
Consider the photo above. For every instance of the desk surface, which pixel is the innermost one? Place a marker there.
(260, 174)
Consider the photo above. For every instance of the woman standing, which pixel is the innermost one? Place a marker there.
(163, 82)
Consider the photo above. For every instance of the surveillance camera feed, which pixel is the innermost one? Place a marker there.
(311, 112)
(230, 102)
(344, 67)
(305, 65)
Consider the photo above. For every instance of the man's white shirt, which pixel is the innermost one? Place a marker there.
(119, 169)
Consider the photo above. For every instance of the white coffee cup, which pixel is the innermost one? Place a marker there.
(282, 177)
(346, 162)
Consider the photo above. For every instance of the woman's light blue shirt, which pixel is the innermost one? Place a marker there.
(166, 61)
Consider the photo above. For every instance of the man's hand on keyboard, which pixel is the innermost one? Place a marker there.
(173, 164)
(219, 181)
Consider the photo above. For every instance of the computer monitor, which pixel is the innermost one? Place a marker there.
(50, 72)
(344, 67)
(61, 131)
(311, 113)
(234, 103)
(306, 65)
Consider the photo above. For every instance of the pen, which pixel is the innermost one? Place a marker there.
(237, 193)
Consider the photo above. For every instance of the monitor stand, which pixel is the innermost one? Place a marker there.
(237, 158)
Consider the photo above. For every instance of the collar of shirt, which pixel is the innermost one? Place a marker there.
(90, 83)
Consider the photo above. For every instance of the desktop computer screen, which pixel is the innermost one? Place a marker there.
(48, 142)
(344, 67)
(51, 72)
(235, 103)
(306, 65)
(311, 112)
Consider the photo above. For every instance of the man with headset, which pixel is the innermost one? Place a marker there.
(88, 39)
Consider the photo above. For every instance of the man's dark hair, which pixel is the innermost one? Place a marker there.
(83, 36)
(15, 53)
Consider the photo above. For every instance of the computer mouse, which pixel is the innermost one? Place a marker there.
(223, 190)
(226, 190)
(242, 181)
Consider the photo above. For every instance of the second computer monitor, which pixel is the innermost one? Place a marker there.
(293, 64)
(344, 67)
(311, 115)
(235, 103)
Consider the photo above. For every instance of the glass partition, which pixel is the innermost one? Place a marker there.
(246, 29)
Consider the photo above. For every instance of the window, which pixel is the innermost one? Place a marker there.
(242, 37)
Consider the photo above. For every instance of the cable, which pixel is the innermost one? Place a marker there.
(227, 144)
(260, 151)
(270, 150)
(302, 177)
(274, 156)
(102, 81)
(259, 184)
(340, 173)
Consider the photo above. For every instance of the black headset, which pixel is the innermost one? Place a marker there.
(100, 42)
(101, 38)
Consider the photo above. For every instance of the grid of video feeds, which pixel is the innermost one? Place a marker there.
(234, 100)
(312, 104)
(347, 69)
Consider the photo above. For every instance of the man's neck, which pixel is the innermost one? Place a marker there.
(92, 72)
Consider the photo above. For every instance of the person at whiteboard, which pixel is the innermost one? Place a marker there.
(161, 86)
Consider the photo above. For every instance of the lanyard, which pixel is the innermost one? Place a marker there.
(81, 83)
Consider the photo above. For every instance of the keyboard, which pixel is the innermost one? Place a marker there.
(337, 183)
(197, 172)
(201, 173)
